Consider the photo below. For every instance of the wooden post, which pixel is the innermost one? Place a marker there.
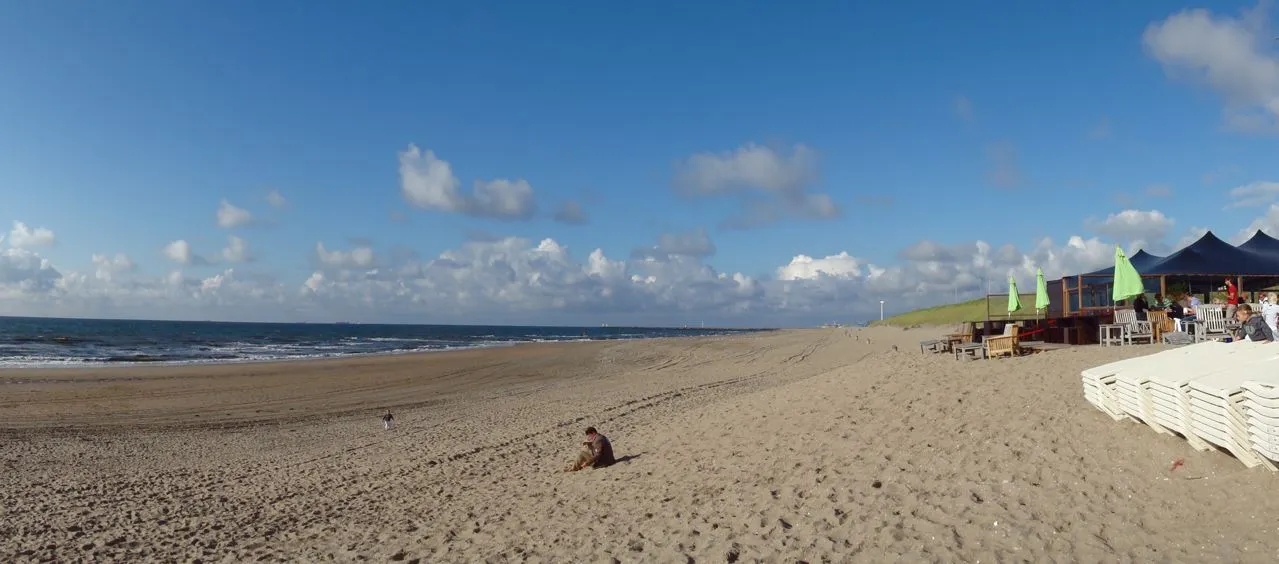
(1163, 285)
(1065, 298)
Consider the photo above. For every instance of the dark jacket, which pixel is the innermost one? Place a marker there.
(1255, 329)
(603, 451)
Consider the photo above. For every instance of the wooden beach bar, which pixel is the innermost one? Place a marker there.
(1080, 304)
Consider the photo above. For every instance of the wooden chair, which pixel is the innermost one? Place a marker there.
(1160, 323)
(1134, 330)
(1006, 344)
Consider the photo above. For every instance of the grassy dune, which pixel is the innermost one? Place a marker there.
(967, 311)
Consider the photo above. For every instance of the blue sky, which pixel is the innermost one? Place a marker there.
(124, 125)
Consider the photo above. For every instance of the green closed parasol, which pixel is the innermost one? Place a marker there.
(1014, 300)
(1041, 291)
(1127, 282)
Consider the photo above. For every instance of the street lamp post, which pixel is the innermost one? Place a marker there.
(881, 310)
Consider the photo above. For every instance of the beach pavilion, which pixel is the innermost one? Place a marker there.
(1199, 269)
(1080, 303)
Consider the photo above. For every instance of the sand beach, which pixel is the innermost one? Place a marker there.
(810, 445)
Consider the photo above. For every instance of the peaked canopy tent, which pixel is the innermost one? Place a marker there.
(1201, 267)
(1262, 244)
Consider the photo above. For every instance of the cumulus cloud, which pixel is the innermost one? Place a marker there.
(428, 182)
(1140, 228)
(692, 243)
(230, 217)
(358, 257)
(23, 272)
(236, 251)
(1269, 222)
(275, 199)
(764, 178)
(107, 268)
(571, 212)
(1253, 194)
(23, 237)
(499, 279)
(804, 267)
(1233, 56)
(180, 252)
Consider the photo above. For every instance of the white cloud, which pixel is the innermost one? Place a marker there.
(502, 199)
(753, 169)
(23, 237)
(693, 243)
(517, 280)
(427, 181)
(359, 257)
(23, 272)
(1159, 191)
(236, 251)
(1253, 194)
(107, 268)
(804, 267)
(1231, 55)
(275, 199)
(1193, 234)
(1268, 223)
(1134, 226)
(230, 217)
(180, 252)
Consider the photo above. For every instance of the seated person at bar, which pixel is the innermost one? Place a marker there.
(1140, 306)
(1160, 302)
(1254, 327)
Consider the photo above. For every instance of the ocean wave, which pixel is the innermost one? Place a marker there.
(34, 342)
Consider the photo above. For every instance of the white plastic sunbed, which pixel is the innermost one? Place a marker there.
(1261, 414)
(1218, 412)
(1198, 392)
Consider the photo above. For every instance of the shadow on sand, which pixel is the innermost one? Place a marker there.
(627, 458)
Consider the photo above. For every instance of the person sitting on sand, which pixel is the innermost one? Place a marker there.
(1254, 327)
(597, 452)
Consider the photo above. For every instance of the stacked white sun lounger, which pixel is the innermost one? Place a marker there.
(1199, 392)
(1099, 387)
(1217, 411)
(1156, 391)
(1101, 382)
(1261, 412)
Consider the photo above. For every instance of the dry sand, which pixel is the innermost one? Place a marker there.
(774, 447)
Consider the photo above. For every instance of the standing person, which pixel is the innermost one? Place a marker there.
(1270, 311)
(388, 420)
(598, 452)
(1232, 298)
(1253, 327)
